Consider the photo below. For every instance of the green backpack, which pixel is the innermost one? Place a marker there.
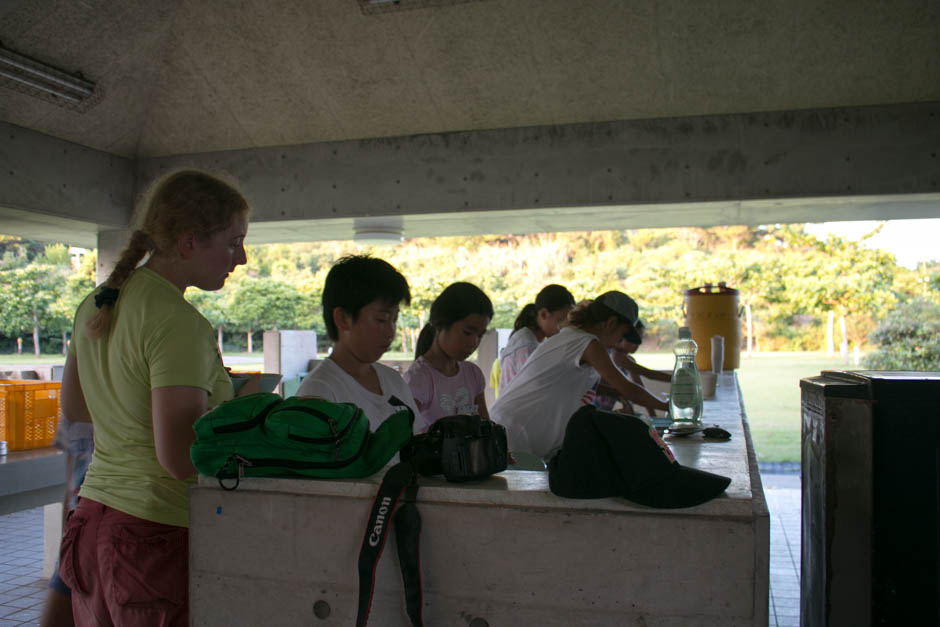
(263, 435)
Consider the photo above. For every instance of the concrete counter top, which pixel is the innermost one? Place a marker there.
(530, 489)
(505, 549)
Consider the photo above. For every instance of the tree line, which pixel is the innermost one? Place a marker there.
(793, 283)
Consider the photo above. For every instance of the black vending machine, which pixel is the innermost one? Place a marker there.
(871, 495)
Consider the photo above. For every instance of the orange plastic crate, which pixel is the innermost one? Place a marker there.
(29, 413)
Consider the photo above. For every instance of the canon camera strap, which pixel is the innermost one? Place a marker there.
(398, 485)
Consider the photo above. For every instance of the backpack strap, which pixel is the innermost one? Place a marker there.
(237, 462)
(399, 479)
(394, 401)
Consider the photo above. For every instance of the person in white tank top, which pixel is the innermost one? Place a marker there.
(562, 373)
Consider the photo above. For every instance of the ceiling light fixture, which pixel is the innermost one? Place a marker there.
(53, 85)
(378, 236)
(376, 7)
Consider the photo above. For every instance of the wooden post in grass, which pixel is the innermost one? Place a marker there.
(844, 344)
(750, 330)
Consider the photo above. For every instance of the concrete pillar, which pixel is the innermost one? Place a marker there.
(288, 353)
(493, 341)
(110, 245)
(51, 535)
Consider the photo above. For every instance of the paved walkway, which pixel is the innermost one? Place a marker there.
(22, 588)
(783, 502)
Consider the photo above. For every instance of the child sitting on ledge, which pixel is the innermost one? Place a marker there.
(361, 297)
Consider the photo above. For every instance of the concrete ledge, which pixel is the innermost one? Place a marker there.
(27, 471)
(31, 479)
(31, 499)
(504, 550)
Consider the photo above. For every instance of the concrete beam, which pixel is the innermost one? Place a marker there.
(798, 166)
(52, 187)
(791, 166)
(616, 217)
(47, 228)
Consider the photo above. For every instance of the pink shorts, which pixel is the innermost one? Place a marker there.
(124, 570)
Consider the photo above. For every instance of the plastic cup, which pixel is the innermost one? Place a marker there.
(709, 380)
(718, 353)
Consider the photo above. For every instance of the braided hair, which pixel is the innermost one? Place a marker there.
(184, 201)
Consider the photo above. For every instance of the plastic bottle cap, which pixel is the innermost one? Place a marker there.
(684, 333)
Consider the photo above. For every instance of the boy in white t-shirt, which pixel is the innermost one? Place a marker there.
(361, 297)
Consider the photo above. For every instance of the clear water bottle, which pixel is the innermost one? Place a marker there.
(685, 393)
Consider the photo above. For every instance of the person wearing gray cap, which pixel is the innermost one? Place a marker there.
(622, 356)
(562, 373)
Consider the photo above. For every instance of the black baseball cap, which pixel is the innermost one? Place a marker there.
(609, 454)
(635, 334)
(621, 304)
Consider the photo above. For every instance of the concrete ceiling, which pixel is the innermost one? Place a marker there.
(184, 81)
(185, 76)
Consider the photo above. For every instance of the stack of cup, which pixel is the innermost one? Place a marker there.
(709, 381)
(718, 354)
(711, 378)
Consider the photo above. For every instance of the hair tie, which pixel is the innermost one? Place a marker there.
(106, 296)
(143, 238)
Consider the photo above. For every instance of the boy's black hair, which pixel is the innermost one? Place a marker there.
(456, 302)
(357, 280)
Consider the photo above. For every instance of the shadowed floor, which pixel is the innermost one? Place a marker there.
(22, 588)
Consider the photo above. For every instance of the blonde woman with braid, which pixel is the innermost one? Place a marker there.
(144, 366)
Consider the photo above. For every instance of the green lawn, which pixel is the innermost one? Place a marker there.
(770, 384)
(28, 358)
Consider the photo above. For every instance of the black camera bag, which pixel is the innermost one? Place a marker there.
(462, 448)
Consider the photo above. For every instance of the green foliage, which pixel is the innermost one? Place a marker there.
(32, 291)
(789, 279)
(264, 304)
(908, 338)
(22, 286)
(16, 252)
(212, 305)
(56, 255)
(76, 285)
(504, 315)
